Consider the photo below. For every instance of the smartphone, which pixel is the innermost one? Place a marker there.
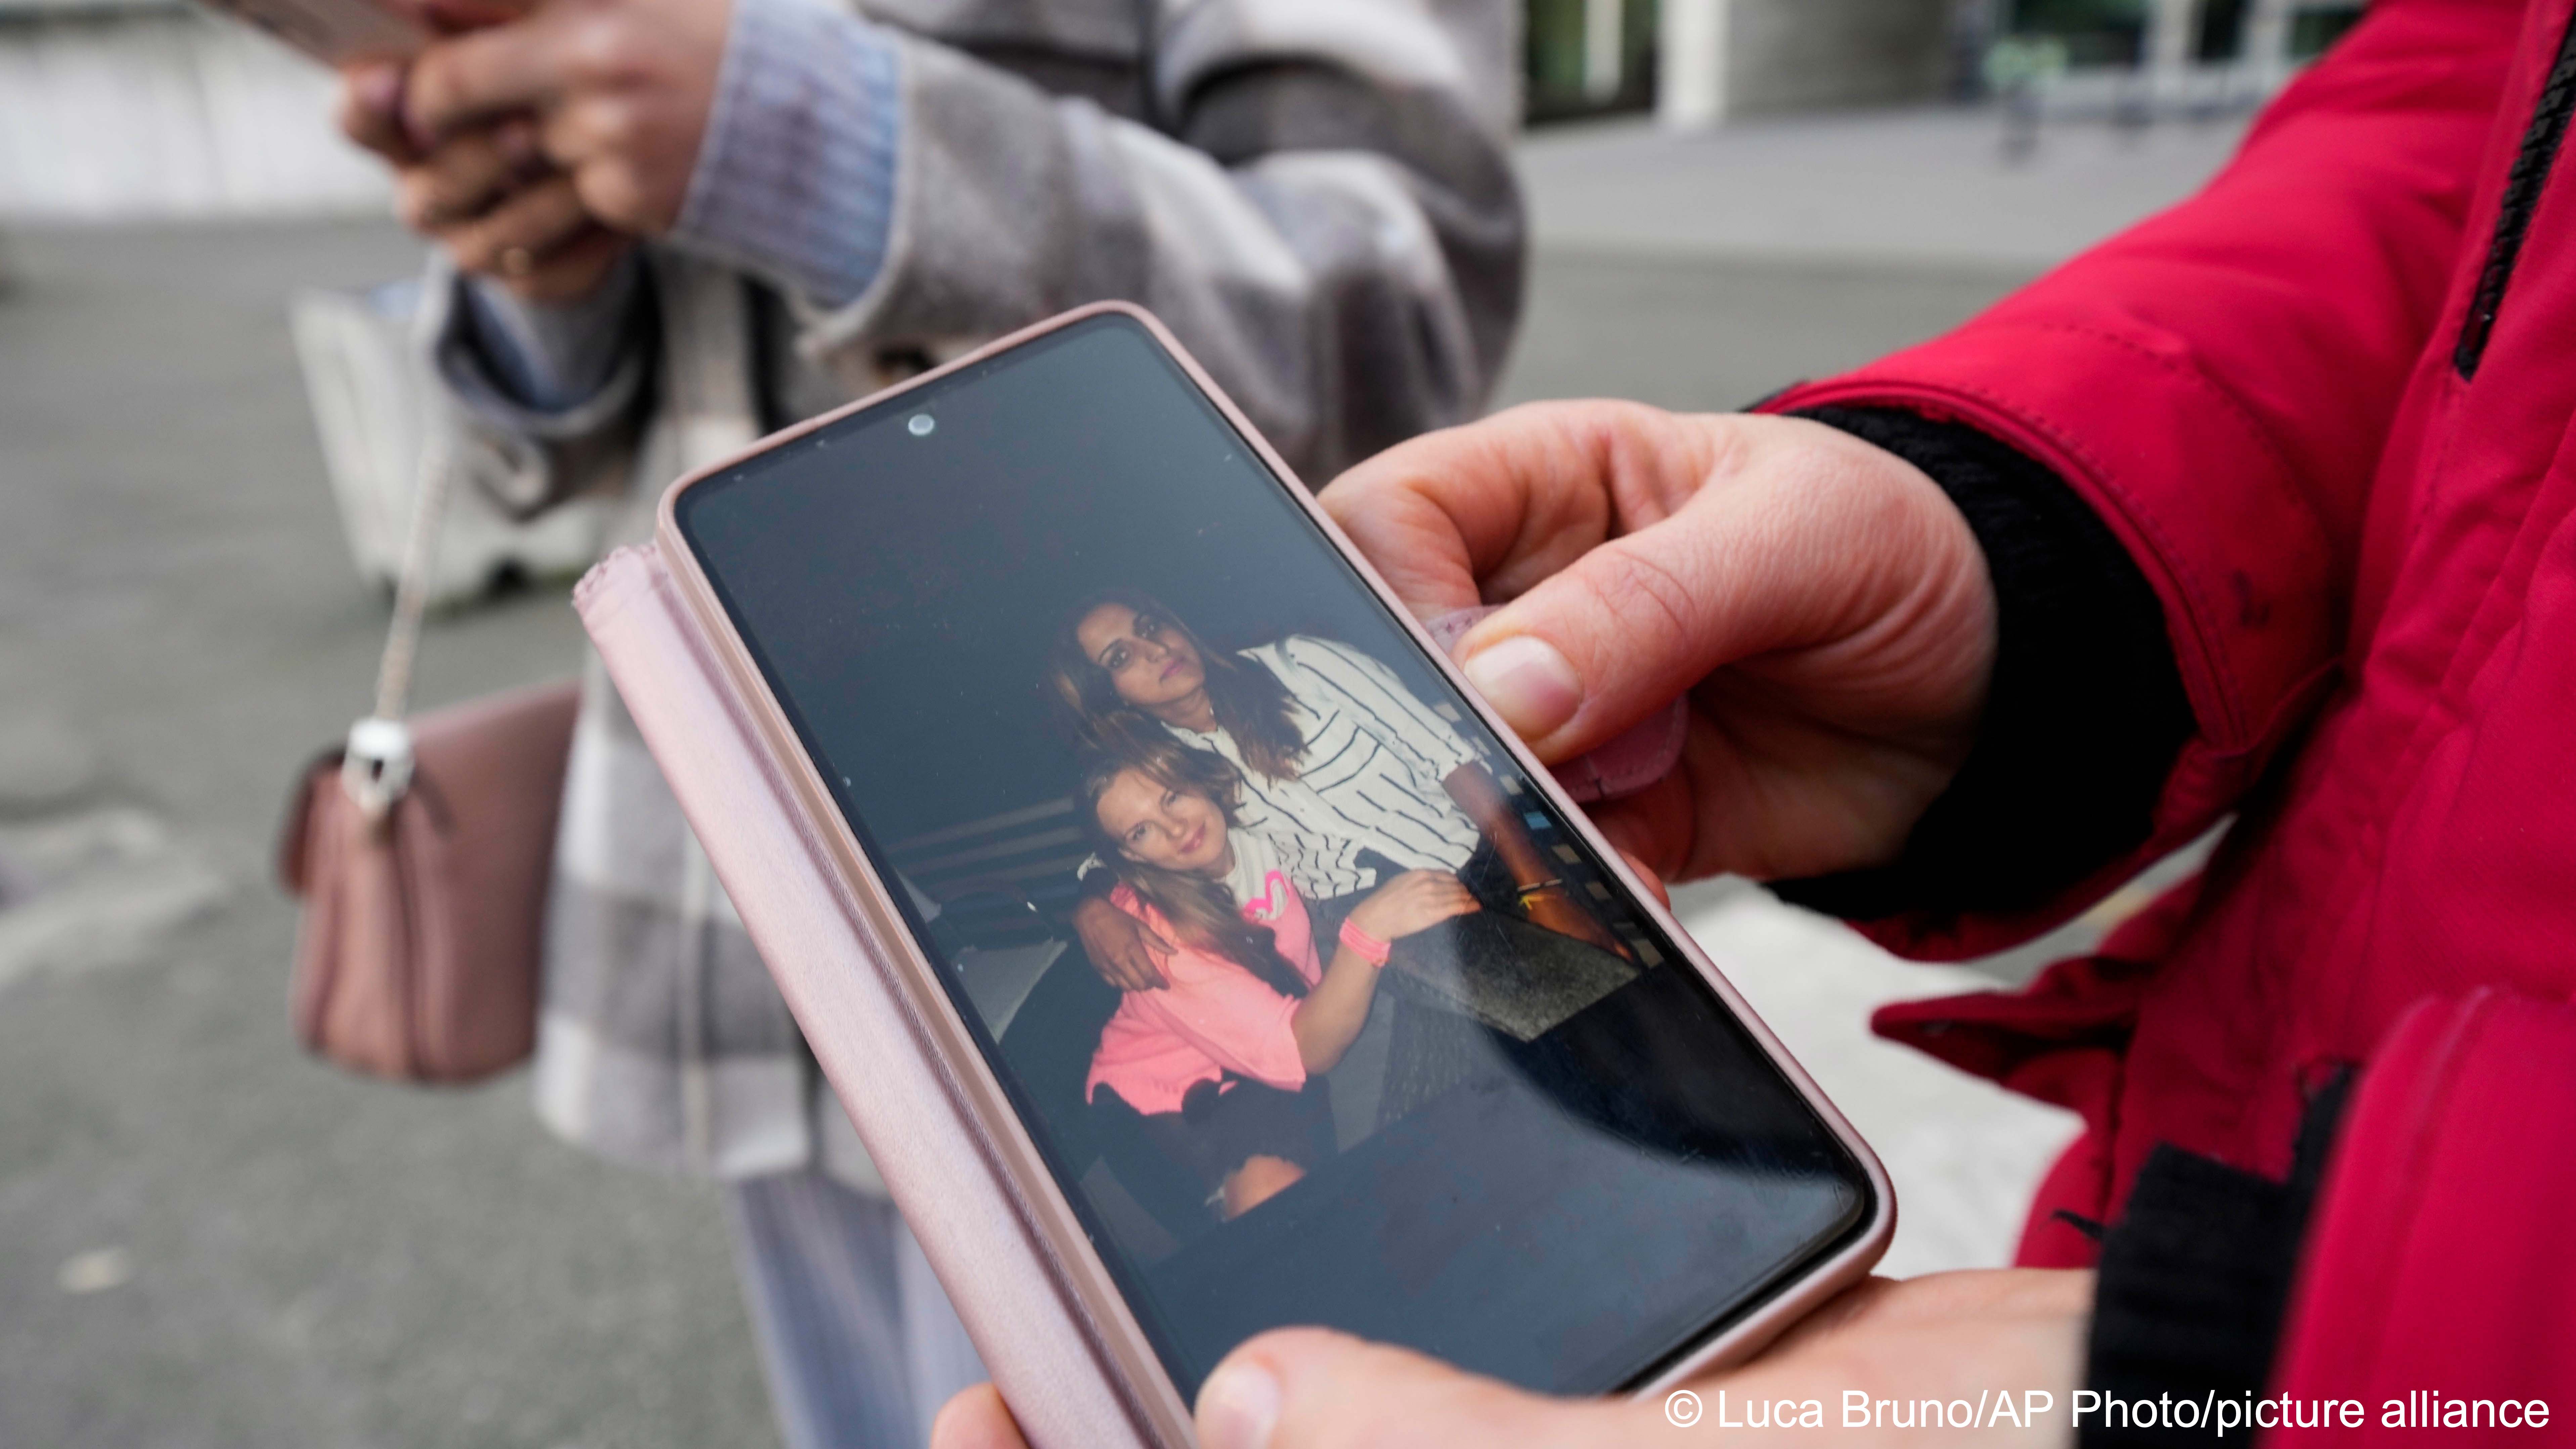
(336, 32)
(1050, 637)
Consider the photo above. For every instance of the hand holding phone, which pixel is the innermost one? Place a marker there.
(1821, 602)
(1057, 603)
(487, 194)
(621, 91)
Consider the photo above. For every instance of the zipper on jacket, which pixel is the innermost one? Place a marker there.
(2522, 187)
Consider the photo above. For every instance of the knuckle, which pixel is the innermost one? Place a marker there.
(430, 92)
(471, 249)
(614, 195)
(1637, 588)
(439, 191)
(604, 48)
(614, 124)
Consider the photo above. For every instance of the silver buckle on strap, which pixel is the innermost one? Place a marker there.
(376, 767)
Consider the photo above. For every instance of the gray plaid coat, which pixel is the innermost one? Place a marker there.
(1325, 214)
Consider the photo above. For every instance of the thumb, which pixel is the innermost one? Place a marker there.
(1797, 536)
(1310, 1388)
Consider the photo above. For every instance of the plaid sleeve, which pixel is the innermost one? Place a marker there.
(1322, 208)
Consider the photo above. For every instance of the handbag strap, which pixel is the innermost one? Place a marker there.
(376, 768)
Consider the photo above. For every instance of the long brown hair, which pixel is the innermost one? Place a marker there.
(1250, 702)
(1200, 910)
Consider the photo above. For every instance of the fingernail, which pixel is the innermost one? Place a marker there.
(1239, 1406)
(1528, 682)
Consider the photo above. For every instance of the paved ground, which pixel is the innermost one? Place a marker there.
(1910, 188)
(207, 1240)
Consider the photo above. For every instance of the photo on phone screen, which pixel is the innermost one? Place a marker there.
(1317, 1008)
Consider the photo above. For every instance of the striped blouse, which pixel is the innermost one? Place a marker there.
(1370, 777)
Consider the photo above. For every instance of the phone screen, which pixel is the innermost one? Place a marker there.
(1078, 670)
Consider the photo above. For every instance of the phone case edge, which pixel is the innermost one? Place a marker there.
(961, 1203)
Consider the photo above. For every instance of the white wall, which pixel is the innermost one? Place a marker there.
(1724, 59)
(147, 108)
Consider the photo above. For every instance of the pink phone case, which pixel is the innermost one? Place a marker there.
(952, 1191)
(1062, 1346)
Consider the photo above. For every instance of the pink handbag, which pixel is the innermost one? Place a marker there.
(422, 852)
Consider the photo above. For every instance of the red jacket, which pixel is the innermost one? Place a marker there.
(2354, 504)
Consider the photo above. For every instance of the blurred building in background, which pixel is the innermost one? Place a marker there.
(151, 108)
(1701, 63)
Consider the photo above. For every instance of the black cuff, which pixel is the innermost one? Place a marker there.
(2085, 714)
(2194, 1281)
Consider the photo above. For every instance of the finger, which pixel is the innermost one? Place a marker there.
(1116, 971)
(1794, 537)
(574, 269)
(518, 141)
(976, 1419)
(1658, 825)
(514, 236)
(1136, 973)
(1309, 1388)
(370, 108)
(1478, 513)
(1989, 1293)
(1648, 877)
(524, 65)
(1854, 1305)
(1134, 969)
(625, 159)
(456, 182)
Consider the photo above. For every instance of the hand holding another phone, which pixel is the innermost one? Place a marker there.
(535, 148)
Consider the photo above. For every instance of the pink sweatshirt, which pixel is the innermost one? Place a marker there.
(1214, 1017)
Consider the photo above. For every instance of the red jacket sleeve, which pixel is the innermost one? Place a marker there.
(2438, 1257)
(2219, 382)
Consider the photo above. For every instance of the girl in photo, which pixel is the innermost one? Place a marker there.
(1222, 1061)
(1344, 770)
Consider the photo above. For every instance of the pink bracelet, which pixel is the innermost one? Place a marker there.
(1370, 948)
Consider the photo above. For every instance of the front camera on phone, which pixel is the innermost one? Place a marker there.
(921, 425)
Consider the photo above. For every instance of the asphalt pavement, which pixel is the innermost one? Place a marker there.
(208, 1239)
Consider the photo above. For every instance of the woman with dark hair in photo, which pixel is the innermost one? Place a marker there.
(1343, 769)
(1222, 1062)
